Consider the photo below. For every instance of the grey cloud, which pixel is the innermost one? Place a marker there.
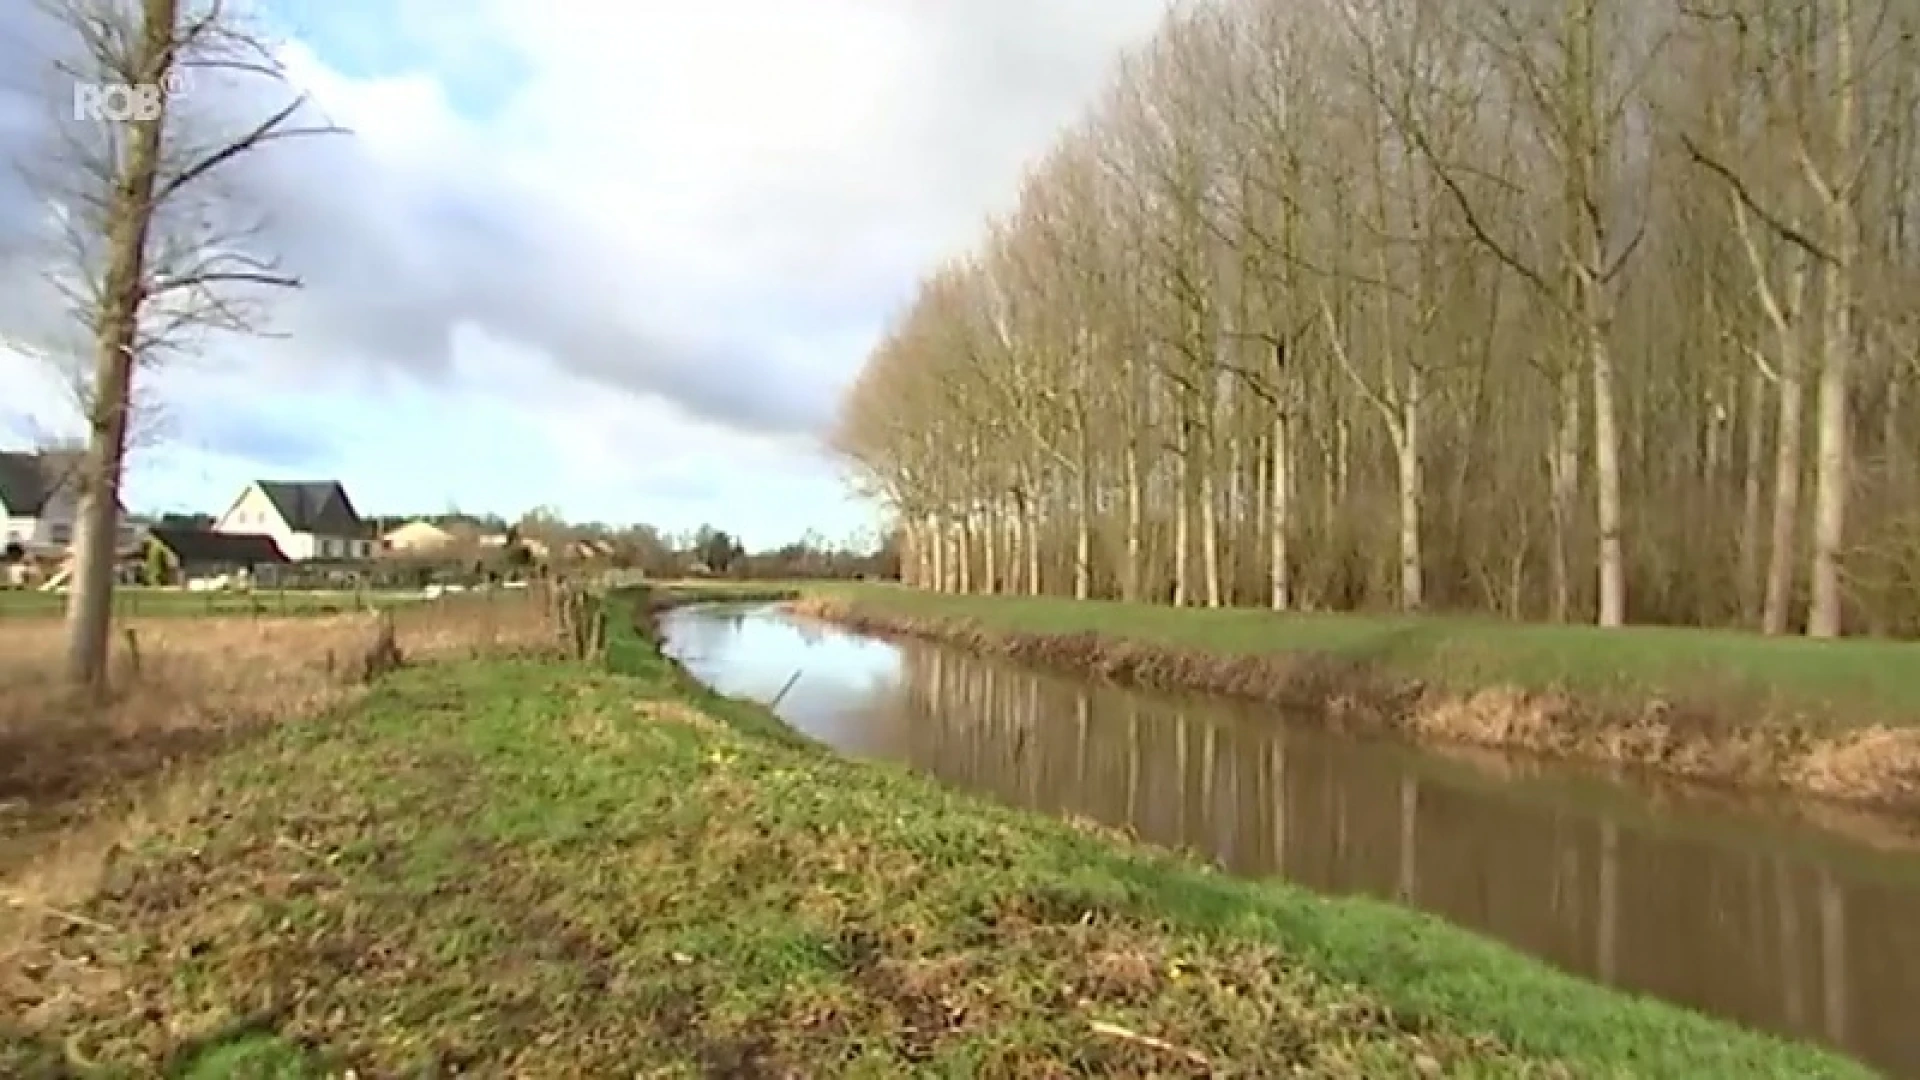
(391, 267)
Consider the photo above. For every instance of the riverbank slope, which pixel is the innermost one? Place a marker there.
(527, 866)
(1836, 719)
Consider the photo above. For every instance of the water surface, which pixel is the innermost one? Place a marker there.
(1756, 917)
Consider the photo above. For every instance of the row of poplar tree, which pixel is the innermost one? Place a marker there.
(1571, 309)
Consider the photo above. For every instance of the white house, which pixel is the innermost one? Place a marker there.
(40, 503)
(306, 520)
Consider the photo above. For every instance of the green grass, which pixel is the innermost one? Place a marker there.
(1845, 682)
(139, 601)
(535, 869)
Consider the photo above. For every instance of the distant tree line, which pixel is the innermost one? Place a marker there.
(705, 550)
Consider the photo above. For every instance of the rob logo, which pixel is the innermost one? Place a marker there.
(121, 103)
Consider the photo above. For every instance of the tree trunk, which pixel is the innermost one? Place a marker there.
(1564, 466)
(1279, 559)
(1183, 521)
(1786, 493)
(1035, 586)
(1750, 540)
(964, 552)
(990, 547)
(1830, 478)
(1407, 454)
(1011, 570)
(1083, 522)
(1210, 520)
(1234, 519)
(937, 551)
(1824, 614)
(1606, 467)
(1136, 512)
(90, 601)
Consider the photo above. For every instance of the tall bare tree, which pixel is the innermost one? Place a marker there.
(160, 259)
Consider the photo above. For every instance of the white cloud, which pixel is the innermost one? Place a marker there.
(623, 262)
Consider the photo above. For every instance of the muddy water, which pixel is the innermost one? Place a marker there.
(1757, 918)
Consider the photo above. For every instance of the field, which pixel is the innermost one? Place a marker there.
(525, 866)
(1833, 718)
(141, 602)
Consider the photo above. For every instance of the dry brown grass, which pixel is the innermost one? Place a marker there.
(78, 781)
(1698, 741)
(181, 685)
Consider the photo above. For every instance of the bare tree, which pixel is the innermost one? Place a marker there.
(159, 258)
(1259, 338)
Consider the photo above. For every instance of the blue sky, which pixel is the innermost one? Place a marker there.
(614, 258)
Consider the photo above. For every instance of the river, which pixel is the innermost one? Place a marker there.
(1754, 916)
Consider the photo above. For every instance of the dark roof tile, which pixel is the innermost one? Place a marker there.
(206, 546)
(28, 479)
(316, 507)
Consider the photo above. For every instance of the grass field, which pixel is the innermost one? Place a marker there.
(1847, 682)
(526, 867)
(142, 602)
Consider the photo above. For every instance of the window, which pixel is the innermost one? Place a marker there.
(326, 547)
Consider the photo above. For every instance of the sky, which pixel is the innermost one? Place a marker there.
(614, 258)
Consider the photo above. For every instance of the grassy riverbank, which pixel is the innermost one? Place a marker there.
(525, 866)
(1838, 719)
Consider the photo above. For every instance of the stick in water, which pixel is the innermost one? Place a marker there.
(775, 703)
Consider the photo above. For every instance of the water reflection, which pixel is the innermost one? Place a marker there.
(1776, 926)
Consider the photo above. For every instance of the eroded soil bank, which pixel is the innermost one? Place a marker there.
(1694, 738)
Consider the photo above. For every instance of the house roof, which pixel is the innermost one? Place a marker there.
(29, 478)
(315, 507)
(206, 546)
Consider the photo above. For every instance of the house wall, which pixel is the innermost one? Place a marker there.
(55, 526)
(254, 515)
(331, 547)
(52, 528)
(17, 530)
(57, 517)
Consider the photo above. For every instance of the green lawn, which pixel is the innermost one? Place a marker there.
(137, 601)
(535, 869)
(1849, 681)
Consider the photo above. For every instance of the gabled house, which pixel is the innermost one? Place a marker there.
(307, 521)
(40, 502)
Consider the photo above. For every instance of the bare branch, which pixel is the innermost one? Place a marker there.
(1769, 218)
